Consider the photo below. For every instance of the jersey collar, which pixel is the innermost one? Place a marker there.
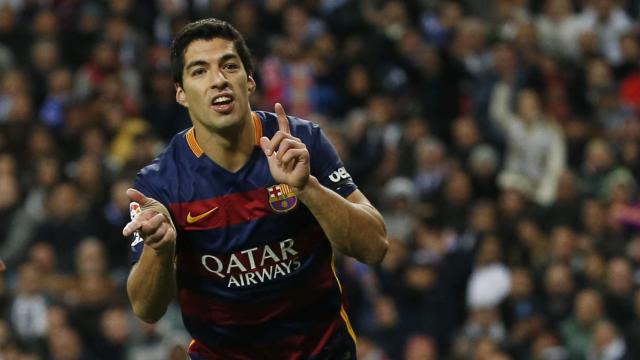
(197, 150)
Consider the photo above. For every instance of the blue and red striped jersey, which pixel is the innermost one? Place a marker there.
(254, 269)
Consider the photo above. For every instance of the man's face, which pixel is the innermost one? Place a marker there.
(215, 85)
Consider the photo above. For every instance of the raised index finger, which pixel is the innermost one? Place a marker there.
(283, 122)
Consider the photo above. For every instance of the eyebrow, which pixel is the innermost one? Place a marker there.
(224, 58)
(195, 63)
(228, 56)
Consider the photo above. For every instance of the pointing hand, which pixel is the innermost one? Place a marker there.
(288, 157)
(152, 225)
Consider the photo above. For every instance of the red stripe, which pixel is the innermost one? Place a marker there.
(327, 335)
(225, 313)
(231, 209)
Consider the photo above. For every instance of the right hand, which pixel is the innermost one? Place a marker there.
(154, 227)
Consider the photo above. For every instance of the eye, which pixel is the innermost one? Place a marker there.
(197, 72)
(230, 66)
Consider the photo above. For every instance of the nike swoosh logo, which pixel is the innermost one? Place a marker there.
(192, 219)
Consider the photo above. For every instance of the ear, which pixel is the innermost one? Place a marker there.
(251, 84)
(181, 97)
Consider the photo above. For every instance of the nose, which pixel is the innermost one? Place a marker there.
(218, 80)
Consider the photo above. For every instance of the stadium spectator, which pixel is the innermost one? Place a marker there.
(608, 21)
(607, 344)
(536, 153)
(557, 29)
(28, 309)
(578, 330)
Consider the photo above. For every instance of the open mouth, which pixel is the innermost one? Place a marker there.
(222, 103)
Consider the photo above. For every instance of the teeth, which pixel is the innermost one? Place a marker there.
(222, 99)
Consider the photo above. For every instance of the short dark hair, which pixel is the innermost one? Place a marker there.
(207, 29)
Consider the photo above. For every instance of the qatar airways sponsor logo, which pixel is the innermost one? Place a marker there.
(255, 265)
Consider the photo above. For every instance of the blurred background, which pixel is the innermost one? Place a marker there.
(499, 138)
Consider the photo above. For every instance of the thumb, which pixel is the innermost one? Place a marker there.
(265, 144)
(137, 196)
(2, 266)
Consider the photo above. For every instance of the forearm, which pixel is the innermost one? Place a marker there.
(354, 228)
(152, 284)
(499, 110)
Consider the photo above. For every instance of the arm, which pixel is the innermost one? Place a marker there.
(152, 284)
(499, 108)
(352, 225)
(152, 281)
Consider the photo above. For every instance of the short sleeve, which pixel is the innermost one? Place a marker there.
(327, 166)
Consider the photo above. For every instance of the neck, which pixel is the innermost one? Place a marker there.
(229, 148)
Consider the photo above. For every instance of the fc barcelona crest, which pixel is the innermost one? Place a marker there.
(282, 198)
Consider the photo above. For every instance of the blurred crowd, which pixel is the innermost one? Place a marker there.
(499, 138)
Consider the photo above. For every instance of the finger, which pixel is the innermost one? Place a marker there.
(3, 267)
(273, 143)
(150, 226)
(157, 235)
(165, 238)
(135, 224)
(265, 144)
(137, 196)
(283, 122)
(294, 156)
(131, 227)
(286, 145)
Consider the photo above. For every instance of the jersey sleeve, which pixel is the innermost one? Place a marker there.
(327, 166)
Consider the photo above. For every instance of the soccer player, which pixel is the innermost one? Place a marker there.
(240, 215)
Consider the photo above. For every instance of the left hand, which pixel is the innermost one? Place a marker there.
(288, 157)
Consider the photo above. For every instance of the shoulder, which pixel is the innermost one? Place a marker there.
(161, 172)
(304, 129)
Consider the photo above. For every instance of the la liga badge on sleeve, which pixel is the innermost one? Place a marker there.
(282, 198)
